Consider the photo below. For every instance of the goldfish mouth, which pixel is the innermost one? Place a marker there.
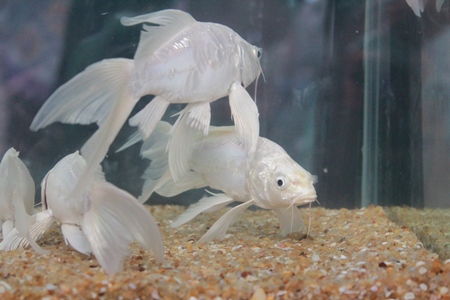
(305, 199)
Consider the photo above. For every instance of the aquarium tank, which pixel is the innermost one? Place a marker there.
(356, 92)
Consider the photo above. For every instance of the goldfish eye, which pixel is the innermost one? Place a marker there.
(281, 182)
(260, 52)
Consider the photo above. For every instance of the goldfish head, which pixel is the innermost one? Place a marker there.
(250, 62)
(277, 181)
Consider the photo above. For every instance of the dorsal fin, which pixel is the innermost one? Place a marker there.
(171, 22)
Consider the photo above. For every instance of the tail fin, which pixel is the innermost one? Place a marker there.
(113, 219)
(102, 94)
(194, 118)
(40, 223)
(157, 177)
(88, 97)
(154, 149)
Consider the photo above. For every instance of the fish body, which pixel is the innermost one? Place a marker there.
(56, 186)
(179, 60)
(16, 200)
(103, 221)
(201, 56)
(269, 178)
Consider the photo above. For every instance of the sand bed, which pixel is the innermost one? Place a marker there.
(351, 254)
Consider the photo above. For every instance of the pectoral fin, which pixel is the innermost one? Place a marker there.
(113, 219)
(245, 115)
(219, 229)
(76, 238)
(190, 181)
(206, 204)
(147, 118)
(290, 220)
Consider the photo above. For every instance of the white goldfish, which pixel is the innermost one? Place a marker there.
(418, 6)
(16, 200)
(270, 178)
(179, 60)
(103, 221)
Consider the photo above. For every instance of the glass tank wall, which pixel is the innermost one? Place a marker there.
(357, 92)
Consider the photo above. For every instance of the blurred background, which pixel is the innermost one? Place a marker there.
(357, 92)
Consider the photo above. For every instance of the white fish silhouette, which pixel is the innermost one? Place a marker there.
(16, 201)
(270, 178)
(418, 6)
(179, 60)
(103, 221)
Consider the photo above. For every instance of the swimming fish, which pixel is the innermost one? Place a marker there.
(269, 178)
(103, 221)
(179, 60)
(16, 200)
(418, 6)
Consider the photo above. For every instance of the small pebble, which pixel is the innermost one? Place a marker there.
(409, 296)
(259, 294)
(420, 263)
(422, 270)
(315, 257)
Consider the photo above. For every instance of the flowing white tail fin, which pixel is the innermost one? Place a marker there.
(195, 118)
(40, 223)
(102, 94)
(157, 177)
(112, 220)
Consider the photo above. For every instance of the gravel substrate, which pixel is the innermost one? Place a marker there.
(349, 254)
(432, 226)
